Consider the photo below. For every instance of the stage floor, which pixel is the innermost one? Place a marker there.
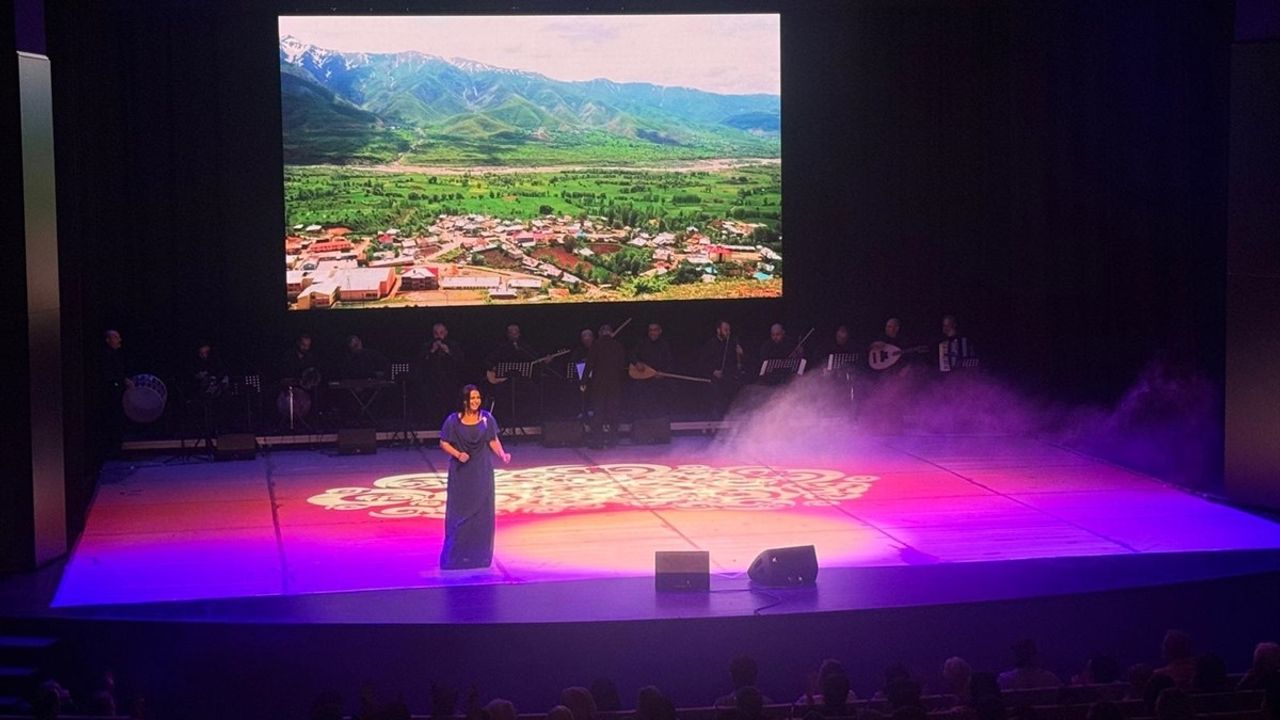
(295, 523)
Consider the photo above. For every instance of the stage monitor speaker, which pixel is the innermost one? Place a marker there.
(562, 433)
(682, 571)
(357, 441)
(235, 446)
(785, 567)
(651, 431)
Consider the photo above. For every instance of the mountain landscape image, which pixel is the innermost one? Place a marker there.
(417, 178)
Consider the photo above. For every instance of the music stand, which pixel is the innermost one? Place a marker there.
(782, 366)
(400, 374)
(514, 372)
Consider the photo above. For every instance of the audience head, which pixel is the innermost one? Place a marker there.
(1174, 704)
(1211, 674)
(1176, 646)
(828, 666)
(1104, 710)
(835, 689)
(649, 703)
(605, 693)
(749, 702)
(48, 701)
(498, 709)
(955, 675)
(1266, 658)
(559, 712)
(580, 702)
(743, 671)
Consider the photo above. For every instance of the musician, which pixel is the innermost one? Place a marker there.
(470, 438)
(894, 336)
(115, 376)
(654, 351)
(513, 399)
(586, 339)
(298, 360)
(779, 346)
(512, 350)
(653, 397)
(954, 349)
(206, 374)
(721, 360)
(838, 345)
(605, 372)
(361, 363)
(439, 370)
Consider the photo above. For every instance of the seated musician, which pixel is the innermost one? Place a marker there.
(955, 351)
(840, 346)
(299, 361)
(894, 339)
(207, 374)
(779, 347)
(653, 351)
(361, 363)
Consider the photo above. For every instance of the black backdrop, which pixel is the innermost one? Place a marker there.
(1052, 172)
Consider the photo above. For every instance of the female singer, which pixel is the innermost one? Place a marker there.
(469, 508)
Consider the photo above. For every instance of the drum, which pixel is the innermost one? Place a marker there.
(144, 402)
(293, 403)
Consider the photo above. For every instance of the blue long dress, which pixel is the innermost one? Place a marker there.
(469, 504)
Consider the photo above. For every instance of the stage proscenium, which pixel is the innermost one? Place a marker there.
(453, 160)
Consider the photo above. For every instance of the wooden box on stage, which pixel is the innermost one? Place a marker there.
(682, 571)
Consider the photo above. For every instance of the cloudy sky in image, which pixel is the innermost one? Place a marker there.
(718, 53)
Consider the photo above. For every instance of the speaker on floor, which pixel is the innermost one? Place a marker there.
(357, 441)
(562, 433)
(785, 567)
(235, 446)
(651, 431)
(682, 571)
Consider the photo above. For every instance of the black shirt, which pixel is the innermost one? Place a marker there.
(655, 353)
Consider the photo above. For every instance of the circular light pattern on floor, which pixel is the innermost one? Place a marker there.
(550, 489)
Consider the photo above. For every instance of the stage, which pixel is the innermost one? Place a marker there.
(309, 536)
